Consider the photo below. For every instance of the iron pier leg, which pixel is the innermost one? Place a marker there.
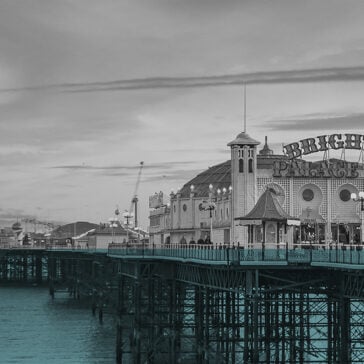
(248, 329)
(329, 331)
(344, 319)
(25, 267)
(255, 319)
(38, 269)
(267, 327)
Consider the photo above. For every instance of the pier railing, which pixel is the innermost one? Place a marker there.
(272, 254)
(352, 255)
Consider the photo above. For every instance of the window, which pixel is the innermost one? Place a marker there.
(226, 236)
(227, 212)
(184, 207)
(345, 195)
(241, 165)
(154, 220)
(271, 234)
(308, 195)
(250, 165)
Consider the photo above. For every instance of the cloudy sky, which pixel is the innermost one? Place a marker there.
(90, 88)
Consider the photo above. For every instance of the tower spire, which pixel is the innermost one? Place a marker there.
(244, 107)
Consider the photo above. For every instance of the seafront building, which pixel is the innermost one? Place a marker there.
(258, 197)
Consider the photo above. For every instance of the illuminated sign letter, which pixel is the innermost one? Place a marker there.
(322, 142)
(278, 167)
(309, 145)
(292, 150)
(334, 143)
(353, 141)
(352, 170)
(339, 170)
(323, 169)
(299, 168)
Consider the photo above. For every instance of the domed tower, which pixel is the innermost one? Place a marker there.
(244, 182)
(266, 151)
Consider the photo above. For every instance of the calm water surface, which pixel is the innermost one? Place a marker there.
(36, 329)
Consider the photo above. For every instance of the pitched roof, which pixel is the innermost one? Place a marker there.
(267, 208)
(243, 139)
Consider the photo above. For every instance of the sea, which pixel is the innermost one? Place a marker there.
(34, 328)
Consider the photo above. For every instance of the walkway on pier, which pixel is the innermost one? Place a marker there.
(343, 256)
(334, 256)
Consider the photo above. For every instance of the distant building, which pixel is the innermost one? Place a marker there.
(65, 234)
(105, 235)
(7, 237)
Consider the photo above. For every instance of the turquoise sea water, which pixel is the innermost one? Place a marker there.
(36, 329)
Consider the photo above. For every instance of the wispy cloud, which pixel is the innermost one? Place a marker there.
(179, 175)
(152, 166)
(273, 77)
(319, 122)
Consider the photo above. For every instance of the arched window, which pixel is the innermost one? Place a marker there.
(271, 234)
(250, 165)
(241, 165)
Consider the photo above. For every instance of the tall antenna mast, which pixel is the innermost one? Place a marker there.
(244, 108)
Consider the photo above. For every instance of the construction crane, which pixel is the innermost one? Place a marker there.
(134, 200)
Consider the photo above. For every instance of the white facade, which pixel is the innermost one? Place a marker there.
(322, 204)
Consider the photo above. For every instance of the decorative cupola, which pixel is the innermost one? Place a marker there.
(266, 150)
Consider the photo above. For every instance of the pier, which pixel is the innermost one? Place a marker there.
(202, 304)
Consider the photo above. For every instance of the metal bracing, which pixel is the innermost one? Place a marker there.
(263, 317)
(353, 284)
(215, 277)
(357, 331)
(174, 312)
(23, 266)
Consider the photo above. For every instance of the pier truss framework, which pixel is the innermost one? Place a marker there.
(23, 265)
(192, 313)
(169, 311)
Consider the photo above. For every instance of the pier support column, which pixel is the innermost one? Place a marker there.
(344, 327)
(38, 269)
(25, 267)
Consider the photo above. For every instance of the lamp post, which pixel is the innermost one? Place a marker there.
(210, 207)
(127, 215)
(113, 224)
(360, 198)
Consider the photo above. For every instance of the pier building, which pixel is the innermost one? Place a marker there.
(212, 206)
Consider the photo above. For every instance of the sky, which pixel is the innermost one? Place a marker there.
(89, 89)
